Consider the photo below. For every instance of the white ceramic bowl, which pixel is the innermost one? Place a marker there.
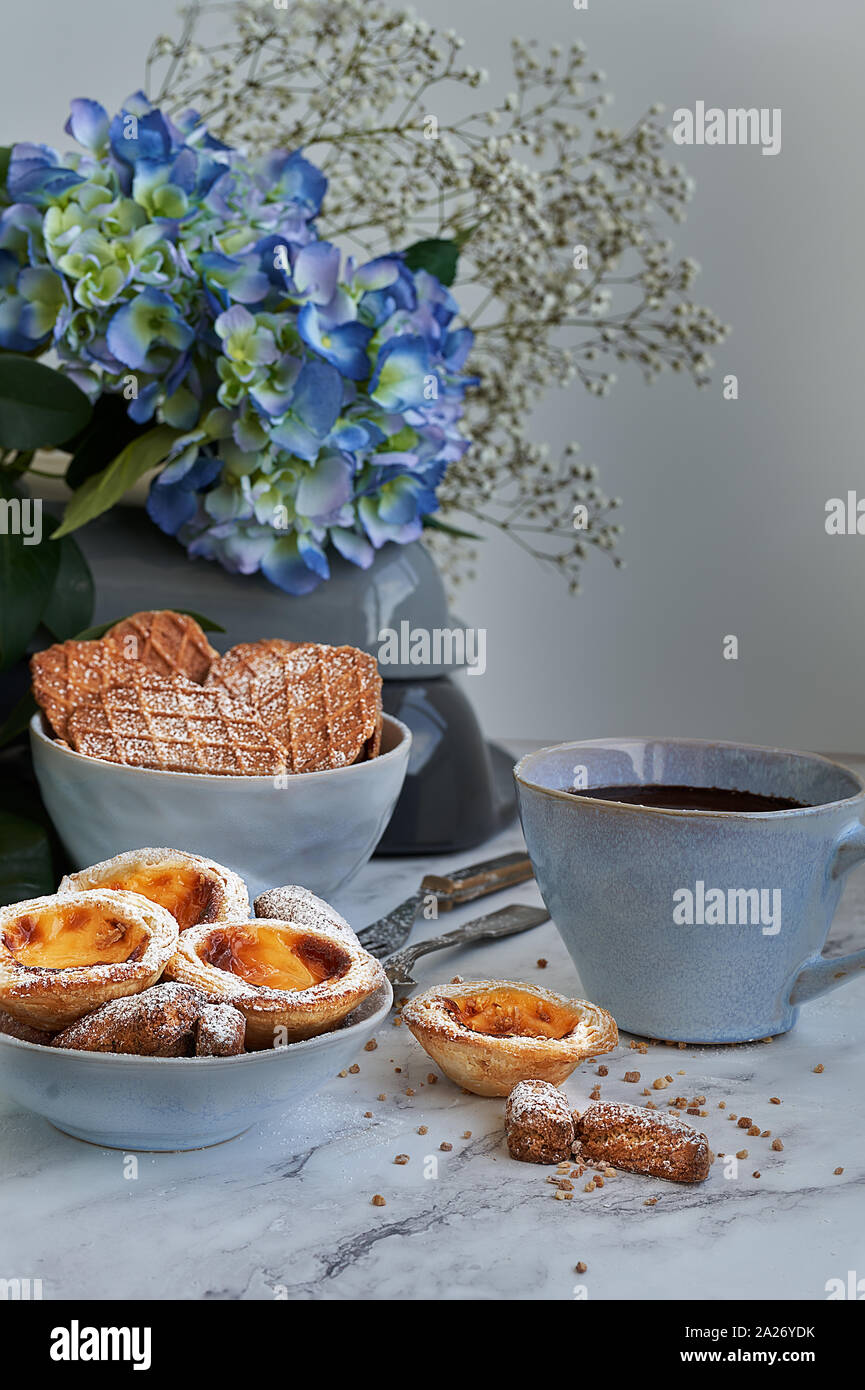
(169, 1103)
(316, 828)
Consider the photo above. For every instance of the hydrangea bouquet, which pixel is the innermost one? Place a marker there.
(291, 399)
(296, 402)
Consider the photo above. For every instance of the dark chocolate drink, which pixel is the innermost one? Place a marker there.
(674, 797)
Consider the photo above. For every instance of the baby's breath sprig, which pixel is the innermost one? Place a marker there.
(385, 105)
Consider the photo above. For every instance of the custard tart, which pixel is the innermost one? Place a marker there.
(487, 1035)
(63, 956)
(194, 890)
(289, 982)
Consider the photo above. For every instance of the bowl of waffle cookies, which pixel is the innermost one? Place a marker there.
(147, 1004)
(275, 757)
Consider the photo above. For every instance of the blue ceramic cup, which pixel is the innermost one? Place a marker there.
(694, 926)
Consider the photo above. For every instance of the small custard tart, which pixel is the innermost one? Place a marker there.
(487, 1035)
(194, 889)
(290, 982)
(63, 956)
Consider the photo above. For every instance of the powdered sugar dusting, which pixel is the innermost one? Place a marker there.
(221, 1030)
(643, 1141)
(530, 1100)
(297, 905)
(639, 1120)
(174, 726)
(538, 1123)
(168, 1020)
(320, 702)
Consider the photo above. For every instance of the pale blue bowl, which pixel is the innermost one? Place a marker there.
(169, 1103)
(317, 828)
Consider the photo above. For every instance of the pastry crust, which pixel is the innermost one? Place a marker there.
(169, 1020)
(643, 1141)
(11, 1028)
(334, 975)
(64, 955)
(487, 1035)
(196, 890)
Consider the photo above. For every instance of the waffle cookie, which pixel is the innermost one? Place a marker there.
(171, 644)
(174, 726)
(323, 704)
(154, 694)
(70, 672)
(241, 667)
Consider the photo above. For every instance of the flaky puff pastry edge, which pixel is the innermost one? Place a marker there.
(278, 1015)
(234, 904)
(490, 1065)
(52, 999)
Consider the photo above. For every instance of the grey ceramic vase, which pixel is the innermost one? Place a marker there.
(136, 566)
(457, 793)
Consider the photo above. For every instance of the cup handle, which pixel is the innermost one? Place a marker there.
(823, 973)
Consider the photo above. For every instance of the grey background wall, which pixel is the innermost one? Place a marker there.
(724, 502)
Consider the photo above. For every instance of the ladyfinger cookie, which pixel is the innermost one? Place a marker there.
(538, 1123)
(643, 1141)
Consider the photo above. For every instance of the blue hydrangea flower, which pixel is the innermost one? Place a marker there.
(316, 403)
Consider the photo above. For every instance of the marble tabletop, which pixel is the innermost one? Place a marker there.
(285, 1211)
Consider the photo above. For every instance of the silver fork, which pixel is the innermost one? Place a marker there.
(508, 921)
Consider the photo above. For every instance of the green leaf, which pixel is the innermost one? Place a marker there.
(435, 523)
(18, 718)
(5, 156)
(93, 634)
(26, 870)
(70, 606)
(27, 576)
(109, 430)
(38, 406)
(436, 256)
(104, 489)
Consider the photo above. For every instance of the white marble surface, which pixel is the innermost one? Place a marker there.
(285, 1210)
